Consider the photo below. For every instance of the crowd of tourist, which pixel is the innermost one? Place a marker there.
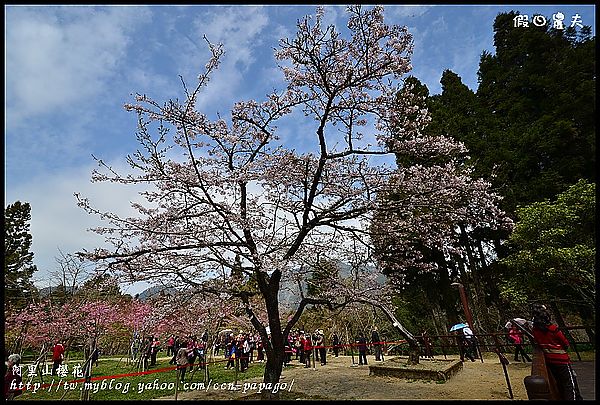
(242, 348)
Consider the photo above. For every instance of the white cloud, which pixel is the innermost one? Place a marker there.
(57, 57)
(335, 15)
(142, 79)
(411, 10)
(57, 221)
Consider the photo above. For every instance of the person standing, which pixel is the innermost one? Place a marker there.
(260, 357)
(335, 341)
(300, 347)
(95, 356)
(231, 353)
(287, 353)
(467, 341)
(239, 351)
(182, 361)
(229, 342)
(12, 378)
(322, 348)
(362, 349)
(306, 350)
(191, 346)
(135, 348)
(252, 342)
(376, 341)
(201, 353)
(154, 347)
(171, 346)
(314, 340)
(516, 338)
(554, 344)
(245, 358)
(178, 344)
(147, 353)
(427, 345)
(58, 355)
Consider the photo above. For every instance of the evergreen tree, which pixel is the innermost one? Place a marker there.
(457, 113)
(99, 287)
(436, 223)
(323, 272)
(540, 88)
(18, 260)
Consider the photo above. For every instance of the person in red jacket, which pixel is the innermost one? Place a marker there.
(307, 349)
(516, 337)
(554, 345)
(57, 356)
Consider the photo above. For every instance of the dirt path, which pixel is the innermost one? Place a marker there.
(340, 380)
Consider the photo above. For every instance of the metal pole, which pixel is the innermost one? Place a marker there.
(504, 362)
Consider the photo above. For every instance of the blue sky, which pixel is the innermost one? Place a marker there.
(70, 69)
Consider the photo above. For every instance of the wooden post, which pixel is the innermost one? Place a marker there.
(540, 384)
(237, 366)
(504, 362)
(443, 346)
(177, 378)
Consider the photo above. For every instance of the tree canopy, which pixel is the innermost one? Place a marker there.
(237, 190)
(553, 250)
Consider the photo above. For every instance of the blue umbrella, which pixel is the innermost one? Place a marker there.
(458, 326)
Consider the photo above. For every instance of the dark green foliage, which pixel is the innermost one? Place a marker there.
(456, 113)
(539, 87)
(18, 260)
(552, 254)
(531, 123)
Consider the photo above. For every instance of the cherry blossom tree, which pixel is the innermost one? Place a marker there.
(234, 211)
(80, 319)
(186, 314)
(43, 323)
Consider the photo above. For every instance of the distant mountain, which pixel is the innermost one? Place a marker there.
(290, 292)
(156, 290)
(44, 292)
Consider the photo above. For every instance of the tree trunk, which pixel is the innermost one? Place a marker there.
(447, 299)
(275, 346)
(414, 354)
(273, 368)
(434, 318)
(587, 318)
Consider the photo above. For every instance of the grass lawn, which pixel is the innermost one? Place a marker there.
(136, 387)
